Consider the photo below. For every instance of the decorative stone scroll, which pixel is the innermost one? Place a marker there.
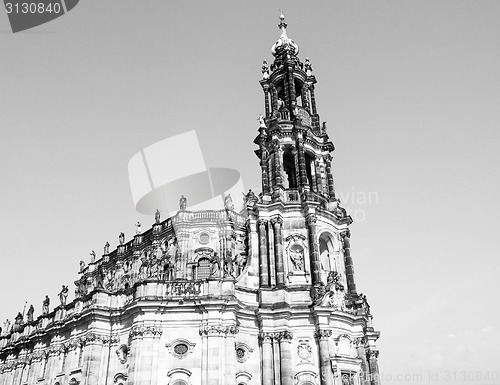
(122, 353)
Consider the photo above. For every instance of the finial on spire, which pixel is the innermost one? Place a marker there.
(282, 24)
(284, 43)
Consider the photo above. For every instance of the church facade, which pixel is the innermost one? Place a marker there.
(262, 295)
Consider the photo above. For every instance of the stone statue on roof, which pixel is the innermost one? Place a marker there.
(29, 315)
(63, 295)
(45, 305)
(182, 202)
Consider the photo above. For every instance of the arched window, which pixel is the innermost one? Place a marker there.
(179, 382)
(310, 170)
(324, 255)
(290, 177)
(203, 269)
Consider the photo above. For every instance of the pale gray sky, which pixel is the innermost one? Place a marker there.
(411, 93)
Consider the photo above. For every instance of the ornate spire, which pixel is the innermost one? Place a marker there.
(284, 43)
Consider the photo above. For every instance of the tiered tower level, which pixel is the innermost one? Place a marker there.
(263, 295)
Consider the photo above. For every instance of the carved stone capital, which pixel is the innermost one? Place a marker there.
(311, 219)
(372, 354)
(284, 336)
(277, 221)
(217, 330)
(262, 222)
(265, 337)
(322, 334)
(92, 338)
(145, 331)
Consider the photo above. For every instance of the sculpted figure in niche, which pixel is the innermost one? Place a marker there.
(297, 258)
(100, 277)
(168, 269)
(45, 305)
(228, 266)
(29, 315)
(215, 266)
(63, 295)
(171, 248)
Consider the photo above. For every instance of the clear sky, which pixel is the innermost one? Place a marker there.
(411, 94)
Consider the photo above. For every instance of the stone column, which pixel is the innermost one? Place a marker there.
(156, 354)
(276, 359)
(253, 249)
(365, 369)
(34, 369)
(265, 341)
(285, 341)
(265, 87)
(318, 183)
(297, 166)
(272, 260)
(326, 375)
(329, 176)
(147, 334)
(212, 334)
(277, 165)
(181, 255)
(278, 251)
(229, 358)
(291, 84)
(92, 358)
(313, 250)
(305, 98)
(265, 172)
(302, 164)
(349, 269)
(372, 356)
(313, 100)
(264, 268)
(135, 355)
(53, 363)
(274, 97)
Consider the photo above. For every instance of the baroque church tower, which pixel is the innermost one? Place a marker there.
(262, 295)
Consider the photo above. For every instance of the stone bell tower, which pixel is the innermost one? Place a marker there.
(305, 267)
